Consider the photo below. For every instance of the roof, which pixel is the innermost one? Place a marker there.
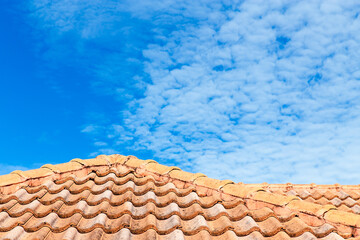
(123, 197)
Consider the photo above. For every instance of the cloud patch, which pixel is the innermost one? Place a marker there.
(250, 91)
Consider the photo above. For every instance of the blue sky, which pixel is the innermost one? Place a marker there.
(251, 91)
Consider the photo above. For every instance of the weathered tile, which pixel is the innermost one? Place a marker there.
(119, 197)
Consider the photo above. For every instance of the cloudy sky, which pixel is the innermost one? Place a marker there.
(253, 91)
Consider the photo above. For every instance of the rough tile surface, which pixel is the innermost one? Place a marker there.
(119, 197)
(346, 198)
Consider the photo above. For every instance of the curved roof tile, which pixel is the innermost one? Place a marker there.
(115, 196)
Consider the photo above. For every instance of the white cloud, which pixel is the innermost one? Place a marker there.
(91, 129)
(100, 144)
(254, 92)
(8, 168)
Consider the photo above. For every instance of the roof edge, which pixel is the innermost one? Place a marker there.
(12, 181)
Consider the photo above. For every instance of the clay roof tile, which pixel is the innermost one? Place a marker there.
(115, 196)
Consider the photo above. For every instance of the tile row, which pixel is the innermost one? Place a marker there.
(317, 193)
(269, 227)
(97, 186)
(118, 196)
(71, 233)
(88, 211)
(129, 184)
(342, 201)
(233, 212)
(46, 198)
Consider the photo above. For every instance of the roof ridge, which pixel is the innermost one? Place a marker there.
(309, 185)
(257, 192)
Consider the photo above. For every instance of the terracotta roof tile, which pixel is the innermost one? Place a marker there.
(123, 197)
(135, 162)
(159, 168)
(63, 167)
(239, 190)
(341, 196)
(212, 183)
(91, 162)
(273, 198)
(185, 176)
(306, 207)
(36, 173)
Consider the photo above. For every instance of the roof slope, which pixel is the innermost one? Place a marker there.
(122, 197)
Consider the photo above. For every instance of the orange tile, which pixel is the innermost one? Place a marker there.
(344, 208)
(354, 194)
(91, 162)
(52, 221)
(296, 227)
(311, 208)
(349, 202)
(212, 183)
(239, 190)
(36, 173)
(329, 194)
(323, 230)
(312, 221)
(63, 167)
(115, 158)
(346, 218)
(9, 179)
(112, 197)
(284, 213)
(185, 176)
(159, 168)
(274, 198)
(279, 236)
(262, 214)
(270, 226)
(8, 223)
(134, 162)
